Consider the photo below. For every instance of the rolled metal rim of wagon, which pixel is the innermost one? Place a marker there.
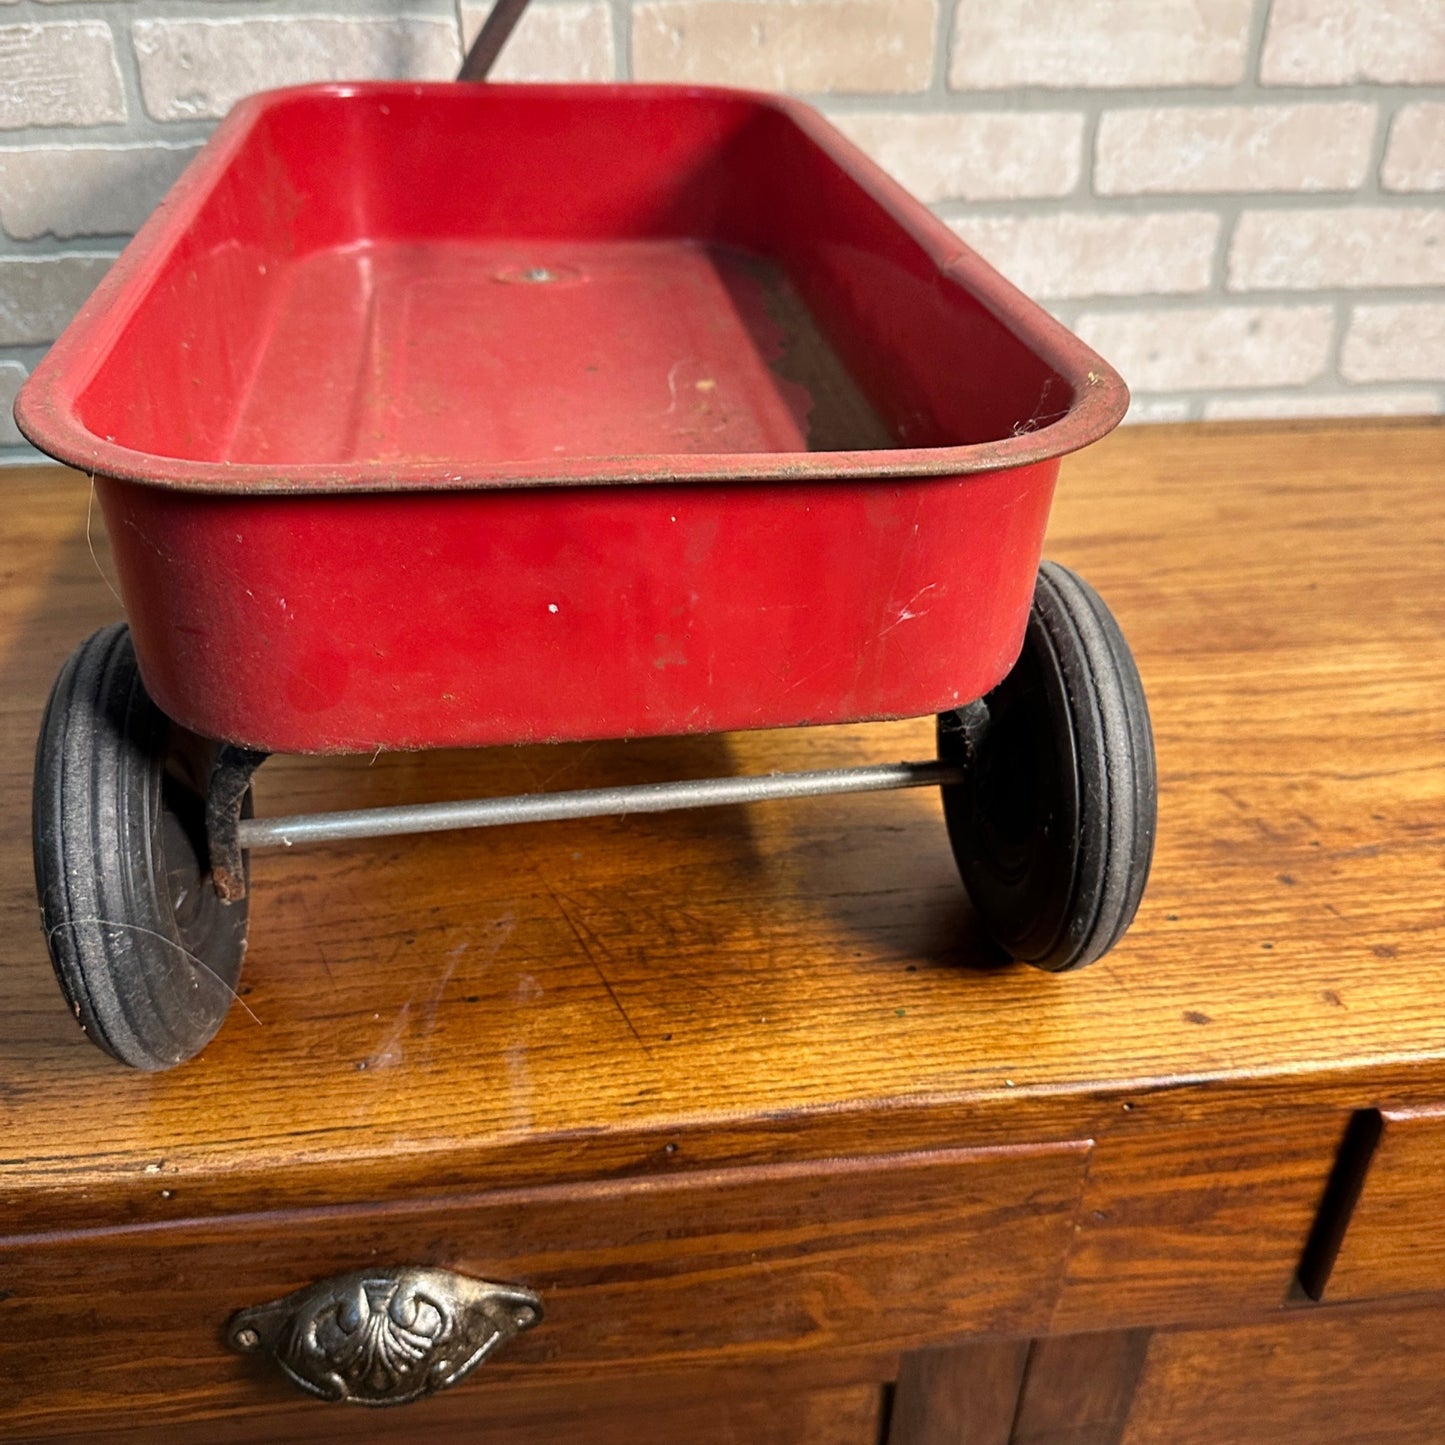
(48, 409)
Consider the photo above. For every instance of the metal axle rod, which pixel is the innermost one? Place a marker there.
(587, 803)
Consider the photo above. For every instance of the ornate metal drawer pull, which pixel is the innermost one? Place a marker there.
(385, 1336)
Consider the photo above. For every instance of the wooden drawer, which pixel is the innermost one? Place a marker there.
(745, 1415)
(1313, 1377)
(1192, 1224)
(1379, 1229)
(728, 1267)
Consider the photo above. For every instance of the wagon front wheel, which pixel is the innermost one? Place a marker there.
(1052, 826)
(145, 951)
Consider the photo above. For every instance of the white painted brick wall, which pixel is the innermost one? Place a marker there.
(568, 41)
(12, 373)
(1224, 347)
(1239, 201)
(61, 74)
(1202, 149)
(90, 190)
(200, 68)
(1074, 254)
(1415, 158)
(1262, 405)
(1314, 250)
(38, 295)
(1402, 341)
(1340, 42)
(998, 45)
(978, 156)
(1157, 409)
(835, 46)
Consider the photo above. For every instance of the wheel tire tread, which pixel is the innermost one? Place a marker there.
(99, 867)
(1107, 695)
(1057, 862)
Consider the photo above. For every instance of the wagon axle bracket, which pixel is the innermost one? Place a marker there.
(227, 793)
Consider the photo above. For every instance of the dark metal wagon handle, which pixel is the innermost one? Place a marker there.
(495, 32)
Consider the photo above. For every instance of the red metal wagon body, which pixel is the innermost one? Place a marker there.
(438, 415)
(450, 415)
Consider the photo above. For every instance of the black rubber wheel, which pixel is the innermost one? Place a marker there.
(146, 953)
(1053, 825)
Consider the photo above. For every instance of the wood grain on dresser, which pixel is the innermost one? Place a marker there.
(840, 1415)
(1322, 1377)
(966, 1395)
(1379, 1233)
(727, 1010)
(738, 1267)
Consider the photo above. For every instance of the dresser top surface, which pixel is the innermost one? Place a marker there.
(413, 1008)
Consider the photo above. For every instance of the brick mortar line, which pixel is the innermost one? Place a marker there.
(1384, 124)
(1344, 390)
(1199, 400)
(139, 131)
(83, 248)
(1249, 300)
(28, 356)
(1094, 109)
(1218, 202)
(1339, 327)
(1254, 40)
(115, 137)
(1088, 148)
(1229, 213)
(51, 248)
(942, 47)
(129, 64)
(1364, 389)
(621, 16)
(123, 11)
(1029, 99)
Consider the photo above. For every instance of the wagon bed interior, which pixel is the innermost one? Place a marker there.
(477, 276)
(505, 350)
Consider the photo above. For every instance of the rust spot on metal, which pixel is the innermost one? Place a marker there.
(227, 792)
(230, 888)
(832, 409)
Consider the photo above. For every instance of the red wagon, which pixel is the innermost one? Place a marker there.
(432, 415)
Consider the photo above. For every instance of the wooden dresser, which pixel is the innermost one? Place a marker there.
(741, 1095)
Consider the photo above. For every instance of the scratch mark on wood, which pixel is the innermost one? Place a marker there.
(586, 947)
